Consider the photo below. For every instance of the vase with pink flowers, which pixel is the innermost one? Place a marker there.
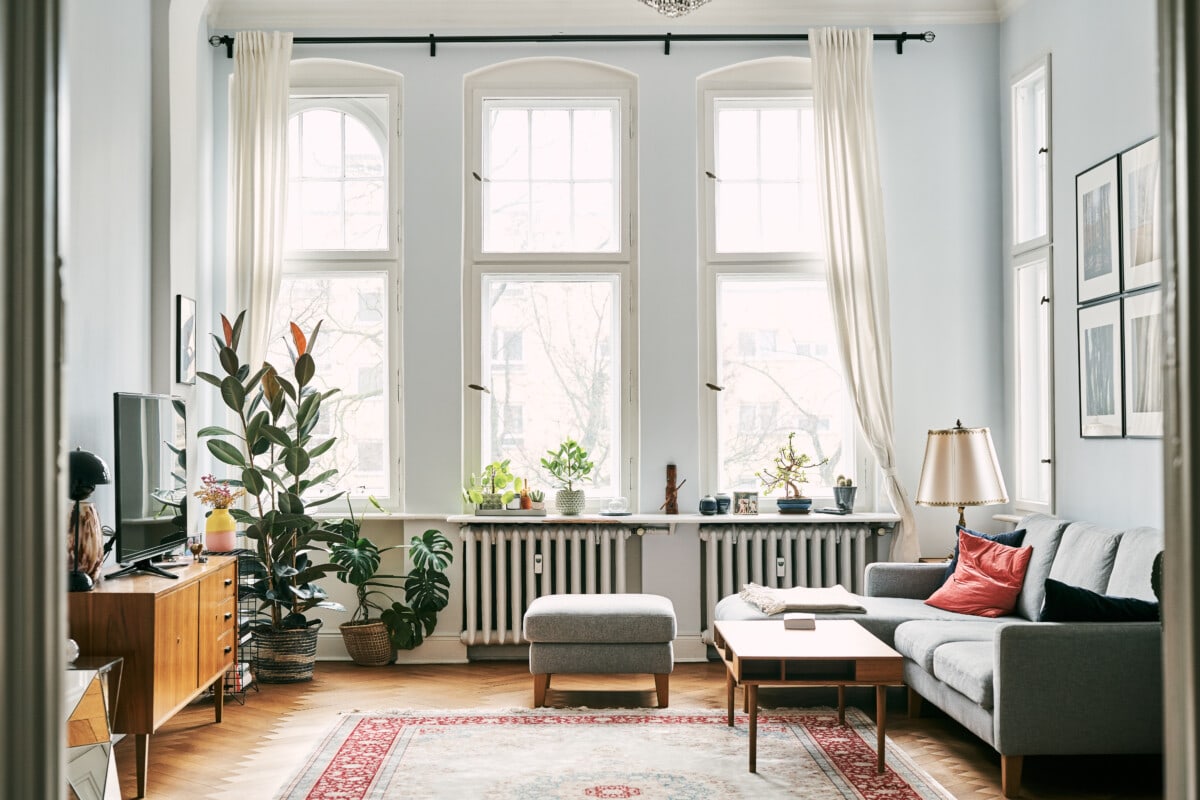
(220, 529)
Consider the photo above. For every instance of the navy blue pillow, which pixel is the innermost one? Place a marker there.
(1011, 538)
(1066, 603)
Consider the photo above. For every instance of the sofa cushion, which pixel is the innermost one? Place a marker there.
(1085, 556)
(1043, 534)
(967, 667)
(1072, 604)
(1131, 569)
(1010, 538)
(987, 580)
(919, 639)
(884, 614)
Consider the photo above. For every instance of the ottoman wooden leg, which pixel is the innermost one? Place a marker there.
(662, 685)
(540, 684)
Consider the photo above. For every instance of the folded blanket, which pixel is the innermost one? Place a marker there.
(801, 598)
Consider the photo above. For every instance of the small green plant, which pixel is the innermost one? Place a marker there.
(493, 479)
(844, 482)
(537, 495)
(569, 464)
(426, 587)
(789, 470)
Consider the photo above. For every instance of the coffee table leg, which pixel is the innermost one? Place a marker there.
(842, 704)
(880, 721)
(729, 685)
(752, 702)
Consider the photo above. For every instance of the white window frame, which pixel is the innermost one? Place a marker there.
(1042, 65)
(551, 79)
(324, 78)
(765, 78)
(1034, 259)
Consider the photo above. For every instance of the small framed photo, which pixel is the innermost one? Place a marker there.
(1142, 321)
(745, 502)
(1141, 216)
(185, 339)
(1097, 234)
(1100, 370)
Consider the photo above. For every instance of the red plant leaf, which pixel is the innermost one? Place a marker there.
(228, 329)
(298, 338)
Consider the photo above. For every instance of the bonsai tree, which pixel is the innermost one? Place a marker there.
(426, 587)
(273, 448)
(788, 471)
(569, 464)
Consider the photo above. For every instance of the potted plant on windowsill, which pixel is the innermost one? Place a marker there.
(373, 642)
(568, 465)
(274, 449)
(789, 473)
(493, 489)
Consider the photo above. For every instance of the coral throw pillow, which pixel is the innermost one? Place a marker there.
(986, 581)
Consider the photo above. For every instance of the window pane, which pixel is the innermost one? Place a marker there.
(1033, 422)
(565, 334)
(550, 177)
(1030, 141)
(338, 193)
(765, 192)
(352, 356)
(777, 359)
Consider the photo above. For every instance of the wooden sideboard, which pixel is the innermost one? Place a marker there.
(177, 637)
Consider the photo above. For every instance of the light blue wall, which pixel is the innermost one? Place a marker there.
(937, 121)
(105, 225)
(1105, 99)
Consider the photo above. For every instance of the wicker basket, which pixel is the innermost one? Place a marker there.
(286, 655)
(368, 643)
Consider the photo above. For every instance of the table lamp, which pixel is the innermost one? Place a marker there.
(85, 471)
(961, 470)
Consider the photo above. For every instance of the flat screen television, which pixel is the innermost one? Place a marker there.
(151, 480)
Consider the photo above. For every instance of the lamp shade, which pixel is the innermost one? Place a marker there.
(961, 469)
(86, 471)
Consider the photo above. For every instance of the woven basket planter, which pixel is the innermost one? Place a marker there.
(286, 655)
(368, 643)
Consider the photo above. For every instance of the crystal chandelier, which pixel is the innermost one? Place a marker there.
(674, 8)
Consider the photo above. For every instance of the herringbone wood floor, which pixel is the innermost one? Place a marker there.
(260, 744)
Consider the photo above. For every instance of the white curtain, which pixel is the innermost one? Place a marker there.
(851, 201)
(258, 149)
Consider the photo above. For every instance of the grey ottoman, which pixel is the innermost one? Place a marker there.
(600, 634)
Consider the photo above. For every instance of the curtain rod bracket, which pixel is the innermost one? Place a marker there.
(432, 46)
(667, 44)
(217, 41)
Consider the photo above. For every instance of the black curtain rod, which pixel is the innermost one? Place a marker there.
(666, 38)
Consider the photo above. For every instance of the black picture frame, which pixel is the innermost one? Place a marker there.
(185, 340)
(1098, 231)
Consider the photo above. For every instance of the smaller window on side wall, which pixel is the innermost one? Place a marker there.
(1030, 149)
(1033, 383)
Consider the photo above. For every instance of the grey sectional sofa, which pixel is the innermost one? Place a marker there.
(1023, 686)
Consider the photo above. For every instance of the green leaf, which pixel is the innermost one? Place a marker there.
(229, 361)
(305, 369)
(252, 479)
(305, 485)
(309, 407)
(321, 449)
(226, 453)
(233, 394)
(427, 589)
(237, 329)
(295, 460)
(214, 430)
(276, 435)
(208, 377)
(242, 515)
(431, 550)
(320, 501)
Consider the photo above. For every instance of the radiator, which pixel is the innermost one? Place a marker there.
(506, 567)
(780, 556)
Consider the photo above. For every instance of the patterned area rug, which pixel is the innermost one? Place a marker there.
(580, 753)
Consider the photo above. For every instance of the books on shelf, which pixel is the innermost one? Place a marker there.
(799, 621)
(238, 678)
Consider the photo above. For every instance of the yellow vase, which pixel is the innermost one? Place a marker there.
(220, 531)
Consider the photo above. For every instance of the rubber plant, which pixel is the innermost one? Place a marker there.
(426, 587)
(274, 449)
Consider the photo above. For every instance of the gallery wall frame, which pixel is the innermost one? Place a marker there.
(1097, 231)
(1100, 378)
(1142, 334)
(1141, 216)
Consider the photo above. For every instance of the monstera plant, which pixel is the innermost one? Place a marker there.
(272, 445)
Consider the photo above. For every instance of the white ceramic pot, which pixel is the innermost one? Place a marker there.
(569, 501)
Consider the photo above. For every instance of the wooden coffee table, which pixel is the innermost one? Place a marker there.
(838, 653)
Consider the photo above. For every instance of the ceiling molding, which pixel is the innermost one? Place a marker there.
(438, 16)
(1006, 8)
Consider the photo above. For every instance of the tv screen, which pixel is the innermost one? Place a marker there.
(151, 475)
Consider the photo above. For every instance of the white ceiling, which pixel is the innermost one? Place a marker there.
(441, 16)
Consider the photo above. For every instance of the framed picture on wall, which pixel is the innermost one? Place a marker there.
(185, 339)
(1142, 322)
(1097, 233)
(1141, 216)
(1100, 370)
